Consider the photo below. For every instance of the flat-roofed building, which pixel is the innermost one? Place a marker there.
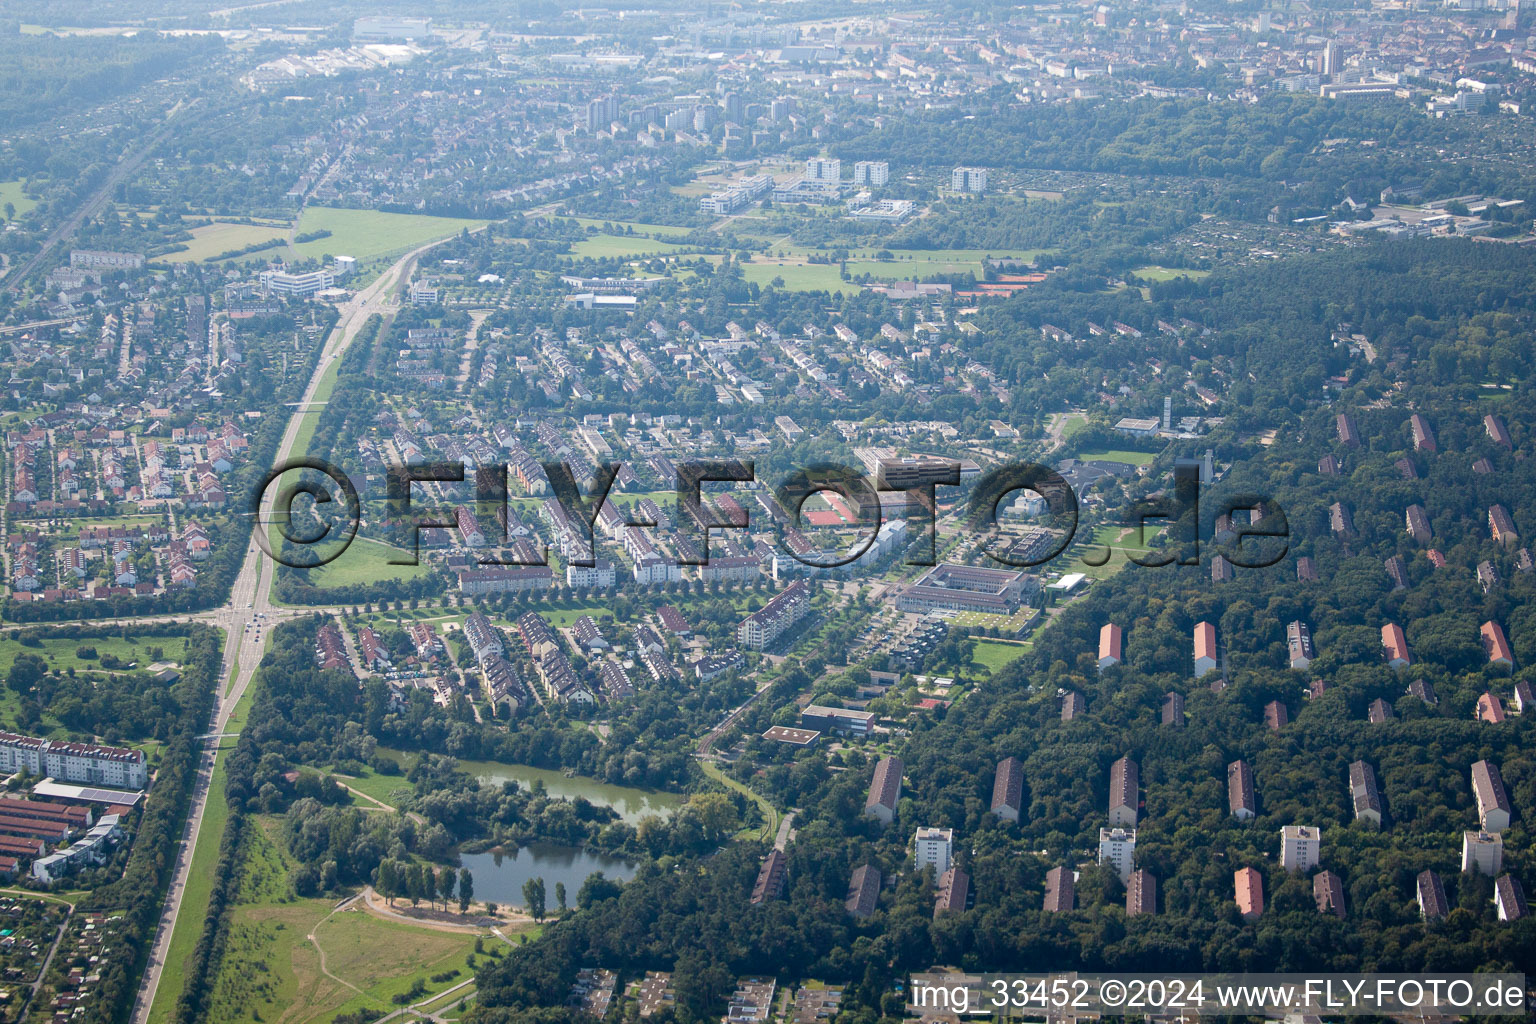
(1394, 646)
(791, 736)
(1432, 902)
(1300, 847)
(1141, 894)
(1363, 792)
(1117, 846)
(863, 891)
(1110, 639)
(1492, 800)
(1328, 893)
(1124, 792)
(1482, 852)
(933, 847)
(1008, 789)
(964, 588)
(1060, 890)
(1206, 657)
(1248, 889)
(845, 721)
(885, 789)
(1240, 796)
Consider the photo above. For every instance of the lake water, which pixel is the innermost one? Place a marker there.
(499, 876)
(631, 802)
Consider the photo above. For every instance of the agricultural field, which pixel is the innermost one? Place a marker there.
(10, 192)
(366, 234)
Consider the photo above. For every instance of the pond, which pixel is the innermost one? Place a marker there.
(631, 802)
(500, 874)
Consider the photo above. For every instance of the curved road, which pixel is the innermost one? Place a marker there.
(250, 605)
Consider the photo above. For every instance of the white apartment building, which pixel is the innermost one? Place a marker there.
(819, 168)
(873, 173)
(1117, 846)
(1300, 847)
(1482, 852)
(934, 846)
(968, 179)
(117, 767)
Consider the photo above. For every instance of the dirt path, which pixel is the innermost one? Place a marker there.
(469, 924)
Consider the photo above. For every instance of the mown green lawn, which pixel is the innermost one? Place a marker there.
(59, 652)
(994, 654)
(623, 246)
(217, 238)
(10, 192)
(366, 561)
(1118, 455)
(364, 234)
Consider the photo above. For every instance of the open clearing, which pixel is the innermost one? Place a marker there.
(366, 561)
(220, 237)
(59, 652)
(623, 246)
(365, 234)
(10, 192)
(656, 230)
(273, 970)
(1156, 273)
(994, 654)
(1118, 455)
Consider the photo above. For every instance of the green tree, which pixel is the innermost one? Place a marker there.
(25, 672)
(533, 896)
(445, 882)
(466, 889)
(387, 881)
(560, 896)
